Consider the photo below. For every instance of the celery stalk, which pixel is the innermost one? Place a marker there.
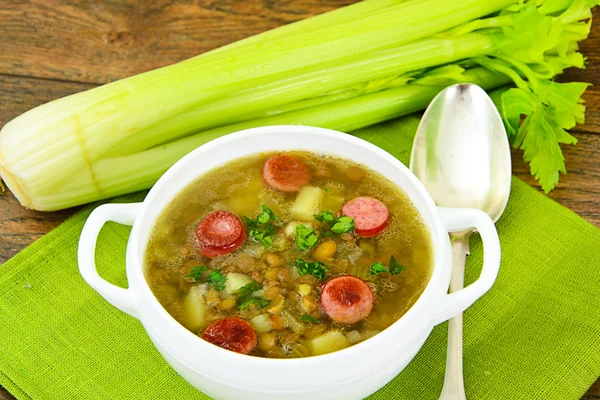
(415, 56)
(119, 175)
(342, 70)
(450, 46)
(321, 21)
(71, 133)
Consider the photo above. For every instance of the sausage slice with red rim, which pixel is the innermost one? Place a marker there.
(370, 215)
(220, 232)
(232, 333)
(286, 173)
(347, 299)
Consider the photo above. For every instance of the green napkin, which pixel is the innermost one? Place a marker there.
(535, 335)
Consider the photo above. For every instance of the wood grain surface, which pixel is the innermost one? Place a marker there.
(53, 48)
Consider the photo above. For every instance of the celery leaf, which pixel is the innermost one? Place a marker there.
(537, 123)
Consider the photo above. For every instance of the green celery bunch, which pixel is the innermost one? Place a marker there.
(512, 42)
(343, 70)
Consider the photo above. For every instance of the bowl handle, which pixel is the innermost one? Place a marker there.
(460, 219)
(124, 214)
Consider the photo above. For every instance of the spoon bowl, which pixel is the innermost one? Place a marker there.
(461, 151)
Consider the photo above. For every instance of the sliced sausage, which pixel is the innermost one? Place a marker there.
(220, 232)
(347, 299)
(286, 173)
(232, 333)
(370, 215)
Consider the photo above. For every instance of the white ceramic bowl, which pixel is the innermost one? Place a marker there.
(352, 373)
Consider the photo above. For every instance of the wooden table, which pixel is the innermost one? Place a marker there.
(52, 48)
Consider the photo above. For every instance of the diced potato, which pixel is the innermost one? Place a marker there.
(261, 324)
(195, 308)
(304, 289)
(353, 337)
(328, 343)
(235, 281)
(290, 229)
(307, 203)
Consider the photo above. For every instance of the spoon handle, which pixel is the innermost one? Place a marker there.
(454, 388)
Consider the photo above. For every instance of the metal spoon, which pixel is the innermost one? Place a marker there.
(461, 155)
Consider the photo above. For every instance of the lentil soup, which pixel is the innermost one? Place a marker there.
(289, 254)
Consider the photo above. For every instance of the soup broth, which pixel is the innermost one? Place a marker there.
(289, 255)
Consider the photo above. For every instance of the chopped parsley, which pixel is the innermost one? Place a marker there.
(262, 235)
(216, 280)
(305, 237)
(247, 290)
(339, 225)
(245, 298)
(254, 300)
(343, 224)
(378, 268)
(317, 269)
(394, 269)
(325, 216)
(195, 274)
(308, 318)
(266, 216)
(262, 230)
